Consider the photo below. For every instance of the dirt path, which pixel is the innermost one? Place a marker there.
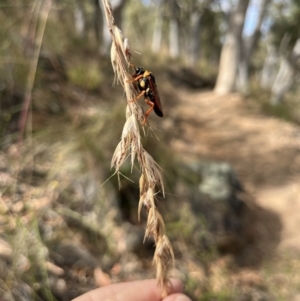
(264, 151)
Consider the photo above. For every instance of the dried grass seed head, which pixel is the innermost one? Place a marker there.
(155, 225)
(164, 250)
(131, 137)
(151, 171)
(143, 185)
(151, 178)
(127, 49)
(119, 155)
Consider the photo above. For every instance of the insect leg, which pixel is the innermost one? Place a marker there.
(151, 104)
(135, 79)
(139, 96)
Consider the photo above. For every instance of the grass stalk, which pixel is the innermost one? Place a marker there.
(131, 146)
(43, 17)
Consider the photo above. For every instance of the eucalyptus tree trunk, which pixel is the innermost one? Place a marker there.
(79, 19)
(98, 21)
(194, 43)
(269, 69)
(249, 45)
(272, 62)
(231, 50)
(174, 29)
(174, 38)
(194, 32)
(286, 75)
(118, 8)
(157, 33)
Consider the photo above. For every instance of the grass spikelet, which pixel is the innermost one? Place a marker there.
(113, 56)
(141, 203)
(152, 171)
(151, 181)
(155, 226)
(119, 156)
(143, 186)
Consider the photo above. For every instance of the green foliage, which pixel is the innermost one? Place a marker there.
(210, 34)
(85, 75)
(138, 24)
(288, 110)
(286, 21)
(219, 296)
(173, 228)
(192, 285)
(281, 111)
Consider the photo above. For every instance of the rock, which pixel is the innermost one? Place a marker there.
(73, 256)
(134, 237)
(59, 288)
(219, 181)
(218, 200)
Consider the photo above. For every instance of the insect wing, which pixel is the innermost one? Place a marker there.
(156, 99)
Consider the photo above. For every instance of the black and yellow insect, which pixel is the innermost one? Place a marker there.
(147, 87)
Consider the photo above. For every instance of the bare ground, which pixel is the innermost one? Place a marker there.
(265, 151)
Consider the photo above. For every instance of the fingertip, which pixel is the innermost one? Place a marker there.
(177, 297)
(175, 286)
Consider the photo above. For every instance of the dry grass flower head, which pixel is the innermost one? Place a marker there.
(130, 145)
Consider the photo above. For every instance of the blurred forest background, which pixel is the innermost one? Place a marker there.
(229, 145)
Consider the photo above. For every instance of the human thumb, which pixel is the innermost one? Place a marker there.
(177, 297)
